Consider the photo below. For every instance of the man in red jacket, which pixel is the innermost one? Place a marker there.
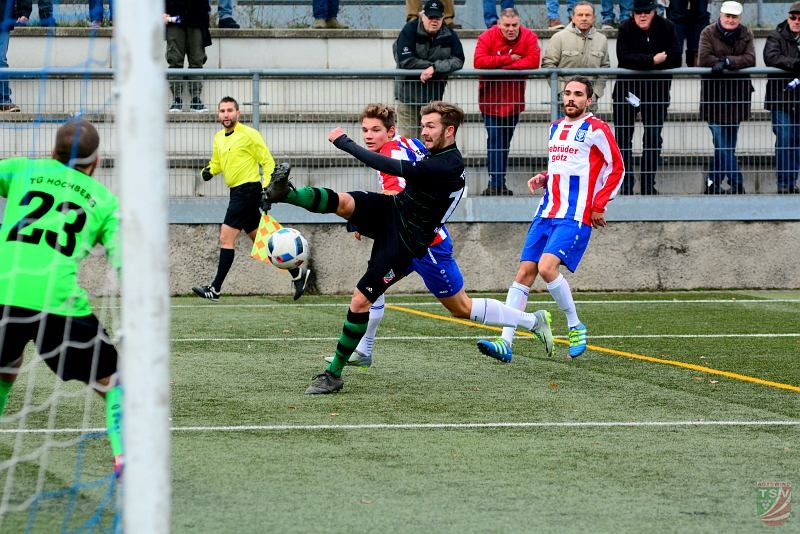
(508, 45)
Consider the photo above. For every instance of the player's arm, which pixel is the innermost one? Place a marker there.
(377, 161)
(109, 236)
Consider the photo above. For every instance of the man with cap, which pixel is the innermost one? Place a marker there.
(783, 98)
(724, 100)
(428, 45)
(413, 8)
(645, 42)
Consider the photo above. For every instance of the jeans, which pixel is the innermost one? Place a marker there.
(225, 9)
(96, 10)
(607, 10)
(499, 131)
(724, 161)
(325, 9)
(490, 10)
(653, 116)
(552, 8)
(5, 88)
(786, 127)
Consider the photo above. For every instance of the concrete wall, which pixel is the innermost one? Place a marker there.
(622, 256)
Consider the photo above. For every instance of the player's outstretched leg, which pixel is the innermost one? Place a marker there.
(577, 340)
(279, 184)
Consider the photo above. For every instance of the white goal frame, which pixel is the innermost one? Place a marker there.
(142, 159)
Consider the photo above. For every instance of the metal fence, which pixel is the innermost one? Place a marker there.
(295, 109)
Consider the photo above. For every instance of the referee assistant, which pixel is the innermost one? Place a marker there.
(238, 152)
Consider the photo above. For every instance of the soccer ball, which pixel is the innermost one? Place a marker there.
(287, 248)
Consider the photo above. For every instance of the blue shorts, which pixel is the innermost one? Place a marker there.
(565, 238)
(439, 270)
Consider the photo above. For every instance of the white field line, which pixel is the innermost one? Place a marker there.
(434, 303)
(440, 338)
(436, 426)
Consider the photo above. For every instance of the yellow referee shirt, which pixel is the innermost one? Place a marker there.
(238, 154)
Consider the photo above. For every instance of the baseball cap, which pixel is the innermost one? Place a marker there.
(433, 8)
(731, 8)
(794, 8)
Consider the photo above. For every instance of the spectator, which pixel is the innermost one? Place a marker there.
(414, 7)
(783, 98)
(436, 49)
(225, 15)
(648, 43)
(509, 46)
(325, 13)
(490, 10)
(187, 38)
(553, 16)
(689, 18)
(579, 45)
(607, 12)
(96, 13)
(44, 8)
(725, 101)
(9, 10)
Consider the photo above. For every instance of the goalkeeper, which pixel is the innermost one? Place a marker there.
(238, 151)
(55, 214)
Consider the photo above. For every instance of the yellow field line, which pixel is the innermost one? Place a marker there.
(701, 368)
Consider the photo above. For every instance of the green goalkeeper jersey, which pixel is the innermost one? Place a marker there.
(53, 217)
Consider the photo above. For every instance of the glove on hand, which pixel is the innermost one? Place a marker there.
(719, 66)
(206, 173)
(266, 205)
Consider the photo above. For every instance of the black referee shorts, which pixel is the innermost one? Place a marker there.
(74, 348)
(243, 209)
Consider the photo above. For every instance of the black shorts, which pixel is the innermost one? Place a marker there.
(243, 209)
(75, 348)
(376, 218)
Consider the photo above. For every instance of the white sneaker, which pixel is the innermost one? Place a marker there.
(357, 359)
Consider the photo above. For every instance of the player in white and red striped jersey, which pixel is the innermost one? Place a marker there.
(584, 173)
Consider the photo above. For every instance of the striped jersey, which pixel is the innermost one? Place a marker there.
(408, 149)
(584, 169)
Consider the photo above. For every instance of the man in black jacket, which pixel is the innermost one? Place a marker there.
(428, 45)
(645, 42)
(783, 98)
(187, 38)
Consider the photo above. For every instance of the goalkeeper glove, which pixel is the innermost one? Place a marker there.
(206, 173)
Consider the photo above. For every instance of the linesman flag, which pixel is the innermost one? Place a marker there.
(266, 227)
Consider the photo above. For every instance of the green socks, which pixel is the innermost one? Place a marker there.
(5, 389)
(353, 330)
(114, 419)
(314, 199)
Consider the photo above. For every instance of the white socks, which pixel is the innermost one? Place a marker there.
(517, 298)
(375, 316)
(562, 294)
(495, 313)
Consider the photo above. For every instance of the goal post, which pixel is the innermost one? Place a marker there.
(142, 159)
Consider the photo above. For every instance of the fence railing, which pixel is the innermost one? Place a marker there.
(295, 109)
